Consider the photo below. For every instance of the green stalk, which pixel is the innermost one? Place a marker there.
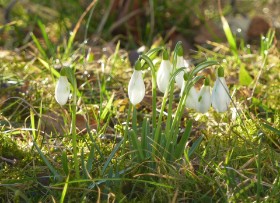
(172, 84)
(73, 130)
(175, 121)
(154, 88)
(169, 111)
(157, 134)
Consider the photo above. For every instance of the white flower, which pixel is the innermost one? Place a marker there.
(220, 95)
(204, 98)
(192, 98)
(163, 75)
(62, 90)
(136, 87)
(179, 78)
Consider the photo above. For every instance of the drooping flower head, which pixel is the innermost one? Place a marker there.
(192, 99)
(164, 71)
(192, 95)
(136, 86)
(220, 94)
(179, 78)
(204, 97)
(62, 90)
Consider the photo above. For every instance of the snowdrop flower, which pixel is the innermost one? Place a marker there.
(136, 86)
(204, 97)
(62, 90)
(192, 98)
(220, 94)
(163, 74)
(179, 78)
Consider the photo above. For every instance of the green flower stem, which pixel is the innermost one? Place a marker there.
(157, 133)
(171, 138)
(171, 96)
(154, 88)
(73, 130)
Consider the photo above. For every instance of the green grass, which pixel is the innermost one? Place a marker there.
(122, 152)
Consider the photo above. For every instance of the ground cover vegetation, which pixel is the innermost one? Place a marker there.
(139, 101)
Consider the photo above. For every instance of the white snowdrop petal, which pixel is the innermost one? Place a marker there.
(180, 77)
(204, 99)
(136, 88)
(62, 90)
(220, 95)
(192, 99)
(163, 75)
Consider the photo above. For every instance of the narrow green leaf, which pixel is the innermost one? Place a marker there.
(107, 108)
(203, 66)
(176, 73)
(90, 158)
(195, 145)
(64, 190)
(64, 160)
(182, 144)
(136, 145)
(51, 168)
(48, 67)
(69, 73)
(111, 156)
(276, 131)
(153, 51)
(229, 36)
(244, 76)
(46, 37)
(38, 45)
(144, 143)
(84, 168)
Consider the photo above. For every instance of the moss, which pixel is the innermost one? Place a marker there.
(9, 148)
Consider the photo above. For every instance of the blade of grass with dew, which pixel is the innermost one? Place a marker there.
(107, 108)
(229, 36)
(182, 143)
(64, 190)
(46, 38)
(38, 45)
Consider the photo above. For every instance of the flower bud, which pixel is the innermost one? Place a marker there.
(62, 90)
(179, 78)
(204, 97)
(220, 94)
(163, 74)
(192, 98)
(136, 87)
